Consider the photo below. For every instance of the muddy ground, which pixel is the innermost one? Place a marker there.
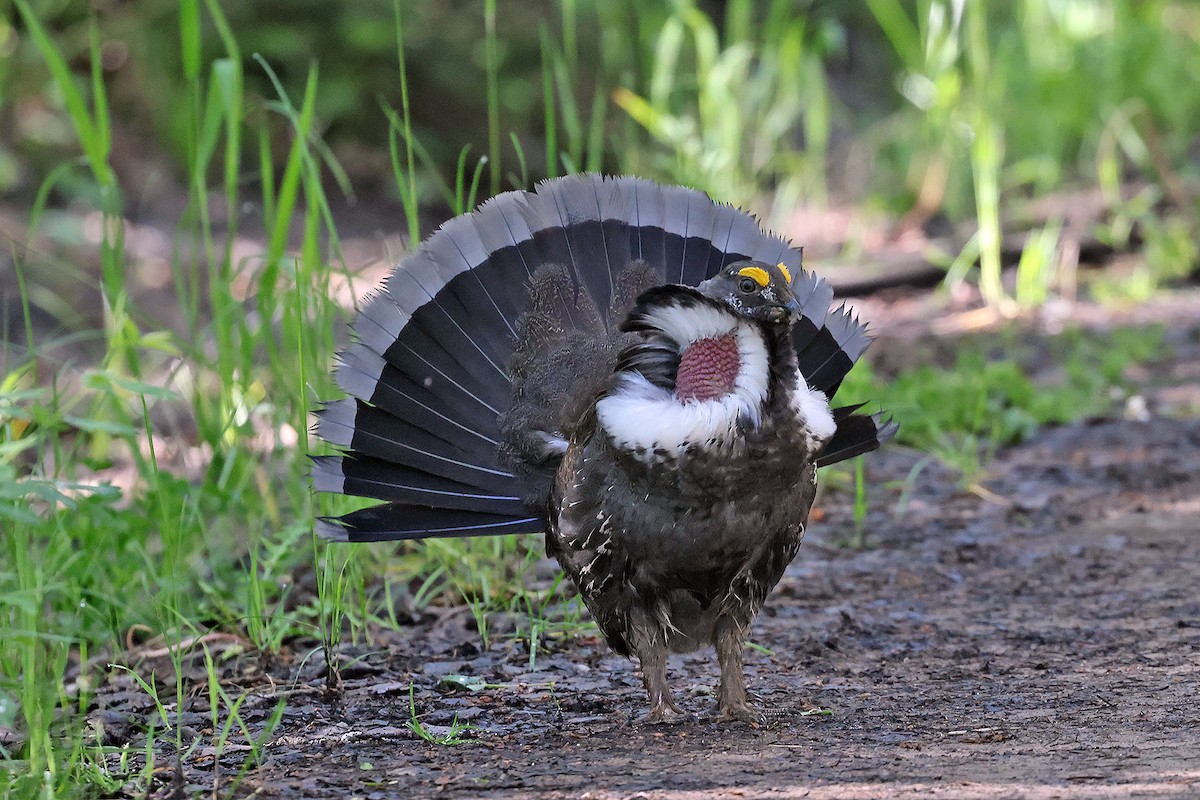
(1050, 647)
(1036, 635)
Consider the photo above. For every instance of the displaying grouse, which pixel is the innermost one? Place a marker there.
(635, 370)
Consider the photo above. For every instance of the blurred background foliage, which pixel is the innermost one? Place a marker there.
(929, 106)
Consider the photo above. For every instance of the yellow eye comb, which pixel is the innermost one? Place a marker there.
(758, 274)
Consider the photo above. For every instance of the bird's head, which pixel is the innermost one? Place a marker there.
(754, 289)
(706, 363)
(712, 341)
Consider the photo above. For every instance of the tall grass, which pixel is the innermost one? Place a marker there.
(753, 111)
(1009, 100)
(493, 94)
(246, 373)
(223, 540)
(997, 102)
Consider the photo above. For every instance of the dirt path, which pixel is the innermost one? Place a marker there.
(1047, 645)
(1037, 637)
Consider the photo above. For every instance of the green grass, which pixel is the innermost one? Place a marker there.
(1012, 100)
(447, 738)
(116, 524)
(754, 86)
(992, 395)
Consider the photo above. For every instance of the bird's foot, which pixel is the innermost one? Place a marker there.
(738, 712)
(664, 713)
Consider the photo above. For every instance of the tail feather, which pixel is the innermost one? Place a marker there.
(434, 333)
(416, 284)
(733, 235)
(504, 228)
(444, 317)
(398, 521)
(743, 235)
(721, 231)
(552, 240)
(677, 205)
(454, 372)
(775, 250)
(856, 434)
(363, 476)
(697, 239)
(648, 218)
(430, 374)
(598, 248)
(834, 351)
(365, 429)
(366, 376)
(413, 376)
(814, 296)
(492, 292)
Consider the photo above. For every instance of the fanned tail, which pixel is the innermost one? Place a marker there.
(431, 373)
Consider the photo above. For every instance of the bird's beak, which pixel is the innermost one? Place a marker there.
(779, 313)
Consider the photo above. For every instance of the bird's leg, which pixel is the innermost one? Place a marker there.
(731, 696)
(654, 676)
(650, 646)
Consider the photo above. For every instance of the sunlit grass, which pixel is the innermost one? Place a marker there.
(1007, 100)
(182, 550)
(757, 91)
(961, 413)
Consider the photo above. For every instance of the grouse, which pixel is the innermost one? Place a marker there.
(635, 370)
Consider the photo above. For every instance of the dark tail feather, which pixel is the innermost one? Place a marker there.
(363, 476)
(697, 239)
(829, 355)
(856, 434)
(647, 215)
(427, 404)
(430, 371)
(369, 431)
(396, 521)
(814, 296)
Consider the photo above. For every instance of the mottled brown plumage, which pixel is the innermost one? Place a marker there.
(677, 549)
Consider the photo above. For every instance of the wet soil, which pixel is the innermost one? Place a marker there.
(1046, 644)
(1034, 635)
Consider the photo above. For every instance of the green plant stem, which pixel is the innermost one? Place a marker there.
(492, 58)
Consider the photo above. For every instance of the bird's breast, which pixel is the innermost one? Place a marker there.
(708, 369)
(702, 502)
(722, 387)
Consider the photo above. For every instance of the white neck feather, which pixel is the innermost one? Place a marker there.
(643, 418)
(692, 323)
(812, 409)
(640, 416)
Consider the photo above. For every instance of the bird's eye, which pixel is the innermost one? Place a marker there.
(747, 285)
